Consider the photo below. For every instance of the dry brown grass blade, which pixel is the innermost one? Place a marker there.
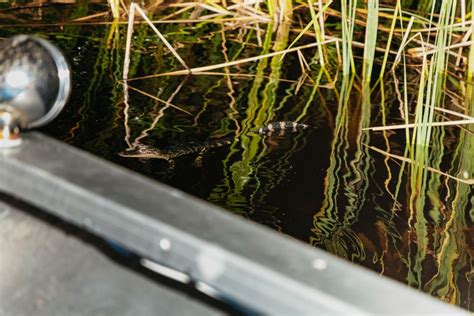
(433, 124)
(212, 73)
(216, 16)
(90, 17)
(464, 116)
(418, 51)
(465, 39)
(217, 9)
(178, 12)
(405, 159)
(434, 28)
(230, 74)
(238, 62)
(252, 11)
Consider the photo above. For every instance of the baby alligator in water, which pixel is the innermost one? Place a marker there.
(170, 153)
(175, 151)
(281, 128)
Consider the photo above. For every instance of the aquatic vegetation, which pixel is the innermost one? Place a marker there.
(386, 176)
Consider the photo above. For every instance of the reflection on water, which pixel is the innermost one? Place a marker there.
(324, 186)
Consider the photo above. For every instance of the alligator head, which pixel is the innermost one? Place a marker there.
(145, 152)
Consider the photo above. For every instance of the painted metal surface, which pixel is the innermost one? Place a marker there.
(241, 261)
(47, 269)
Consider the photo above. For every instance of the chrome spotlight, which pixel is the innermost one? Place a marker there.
(35, 83)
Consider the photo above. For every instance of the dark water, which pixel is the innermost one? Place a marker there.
(322, 186)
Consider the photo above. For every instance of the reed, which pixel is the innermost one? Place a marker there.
(470, 70)
(115, 8)
(370, 40)
(391, 80)
(365, 54)
(348, 10)
(437, 32)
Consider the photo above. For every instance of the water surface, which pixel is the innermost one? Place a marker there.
(324, 186)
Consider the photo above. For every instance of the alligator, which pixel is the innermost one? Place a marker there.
(146, 152)
(168, 154)
(282, 128)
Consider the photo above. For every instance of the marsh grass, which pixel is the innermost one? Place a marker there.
(114, 8)
(398, 83)
(422, 52)
(393, 41)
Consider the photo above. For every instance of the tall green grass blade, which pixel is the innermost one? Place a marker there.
(318, 28)
(348, 8)
(370, 40)
(115, 8)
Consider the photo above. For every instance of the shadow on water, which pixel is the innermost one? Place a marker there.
(326, 186)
